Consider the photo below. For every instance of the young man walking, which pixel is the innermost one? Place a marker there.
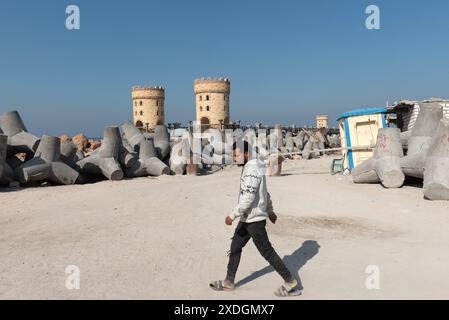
(253, 208)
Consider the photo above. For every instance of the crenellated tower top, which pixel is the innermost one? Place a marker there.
(148, 92)
(212, 85)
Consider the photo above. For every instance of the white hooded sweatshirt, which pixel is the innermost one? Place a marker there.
(254, 202)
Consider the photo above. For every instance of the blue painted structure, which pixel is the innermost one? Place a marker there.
(346, 119)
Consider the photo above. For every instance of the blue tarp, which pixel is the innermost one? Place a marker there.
(361, 112)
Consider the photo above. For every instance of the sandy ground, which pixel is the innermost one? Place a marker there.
(165, 238)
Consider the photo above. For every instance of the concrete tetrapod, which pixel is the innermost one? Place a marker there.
(70, 154)
(15, 162)
(216, 139)
(249, 136)
(274, 165)
(418, 144)
(148, 162)
(222, 159)
(258, 143)
(3, 150)
(316, 146)
(206, 155)
(321, 142)
(275, 140)
(8, 178)
(19, 140)
(194, 166)
(384, 166)
(47, 165)
(306, 151)
(130, 145)
(133, 135)
(209, 157)
(261, 152)
(126, 156)
(334, 141)
(436, 173)
(179, 157)
(239, 134)
(289, 143)
(405, 137)
(279, 136)
(162, 141)
(223, 154)
(7, 175)
(272, 143)
(299, 140)
(105, 160)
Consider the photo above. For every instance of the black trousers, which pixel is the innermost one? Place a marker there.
(257, 231)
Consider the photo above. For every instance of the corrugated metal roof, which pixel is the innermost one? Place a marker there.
(361, 112)
(405, 104)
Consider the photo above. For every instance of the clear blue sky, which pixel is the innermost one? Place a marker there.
(288, 60)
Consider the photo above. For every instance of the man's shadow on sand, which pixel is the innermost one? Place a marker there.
(294, 263)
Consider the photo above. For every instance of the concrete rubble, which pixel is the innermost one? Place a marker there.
(127, 152)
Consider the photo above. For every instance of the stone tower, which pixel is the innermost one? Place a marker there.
(212, 102)
(322, 121)
(148, 107)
